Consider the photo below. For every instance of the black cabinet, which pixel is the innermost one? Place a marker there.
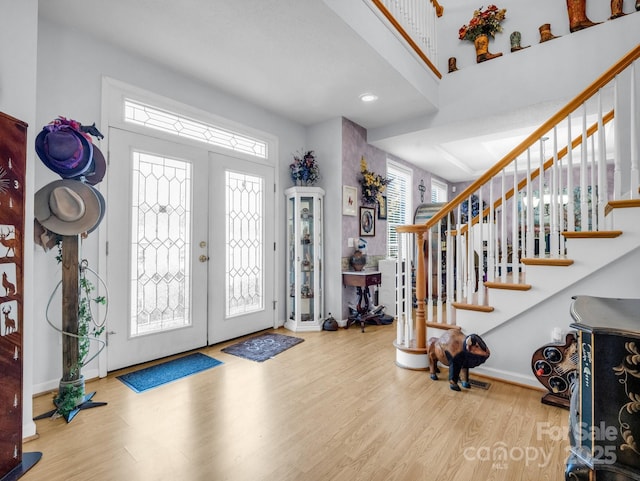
(605, 406)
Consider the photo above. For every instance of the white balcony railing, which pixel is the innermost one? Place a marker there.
(414, 21)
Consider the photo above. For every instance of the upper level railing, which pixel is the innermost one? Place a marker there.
(520, 210)
(415, 22)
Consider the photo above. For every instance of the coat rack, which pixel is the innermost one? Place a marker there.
(67, 209)
(71, 377)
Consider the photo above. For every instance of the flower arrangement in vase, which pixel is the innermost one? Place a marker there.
(304, 169)
(484, 24)
(373, 185)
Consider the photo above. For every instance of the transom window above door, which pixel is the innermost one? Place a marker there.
(147, 116)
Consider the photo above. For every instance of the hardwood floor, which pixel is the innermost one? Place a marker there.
(334, 407)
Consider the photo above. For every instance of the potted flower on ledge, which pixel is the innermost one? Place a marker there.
(483, 24)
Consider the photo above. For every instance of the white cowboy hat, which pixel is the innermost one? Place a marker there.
(67, 207)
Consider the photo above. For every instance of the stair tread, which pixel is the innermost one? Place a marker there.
(621, 204)
(514, 286)
(599, 234)
(546, 261)
(472, 307)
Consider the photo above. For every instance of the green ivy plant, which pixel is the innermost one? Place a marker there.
(67, 399)
(86, 326)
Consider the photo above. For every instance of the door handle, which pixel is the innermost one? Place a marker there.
(203, 258)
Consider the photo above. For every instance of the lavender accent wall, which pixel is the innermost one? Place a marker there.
(354, 147)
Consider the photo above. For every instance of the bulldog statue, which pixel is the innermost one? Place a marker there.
(458, 351)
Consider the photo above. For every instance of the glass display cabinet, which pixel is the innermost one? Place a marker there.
(304, 258)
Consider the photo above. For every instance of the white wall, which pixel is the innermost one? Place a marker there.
(326, 138)
(70, 71)
(18, 49)
(537, 74)
(501, 92)
(532, 329)
(526, 18)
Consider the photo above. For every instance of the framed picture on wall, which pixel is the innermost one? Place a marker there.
(382, 207)
(349, 200)
(367, 221)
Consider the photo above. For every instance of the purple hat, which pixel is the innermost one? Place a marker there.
(64, 149)
(98, 168)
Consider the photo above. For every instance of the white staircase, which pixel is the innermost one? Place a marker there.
(588, 255)
(559, 219)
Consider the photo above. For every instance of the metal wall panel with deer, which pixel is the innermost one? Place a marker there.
(12, 178)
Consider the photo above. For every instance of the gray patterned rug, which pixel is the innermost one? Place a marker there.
(262, 347)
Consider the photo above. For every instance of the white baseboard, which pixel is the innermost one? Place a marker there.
(53, 384)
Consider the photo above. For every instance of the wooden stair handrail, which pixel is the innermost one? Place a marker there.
(562, 153)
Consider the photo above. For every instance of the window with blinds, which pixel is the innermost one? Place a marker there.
(399, 205)
(439, 191)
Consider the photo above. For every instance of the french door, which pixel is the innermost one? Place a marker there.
(241, 231)
(187, 261)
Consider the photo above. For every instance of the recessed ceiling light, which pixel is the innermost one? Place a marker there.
(368, 97)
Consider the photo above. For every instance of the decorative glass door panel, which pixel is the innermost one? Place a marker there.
(160, 244)
(244, 244)
(241, 268)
